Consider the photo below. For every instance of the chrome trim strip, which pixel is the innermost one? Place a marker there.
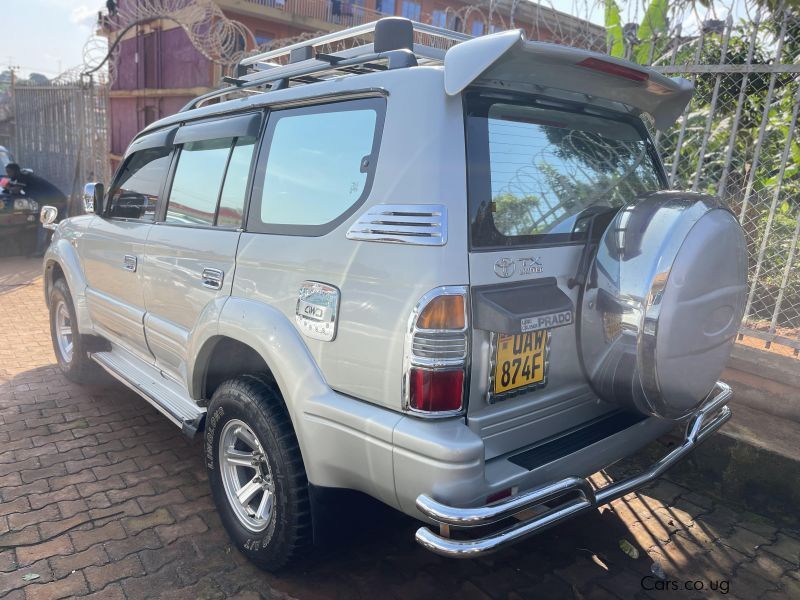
(710, 417)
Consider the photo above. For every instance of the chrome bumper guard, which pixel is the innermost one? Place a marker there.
(710, 417)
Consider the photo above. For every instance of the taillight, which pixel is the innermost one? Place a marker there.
(435, 390)
(435, 373)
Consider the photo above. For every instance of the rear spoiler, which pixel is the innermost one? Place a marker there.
(508, 58)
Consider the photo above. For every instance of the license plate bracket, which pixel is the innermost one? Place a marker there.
(519, 363)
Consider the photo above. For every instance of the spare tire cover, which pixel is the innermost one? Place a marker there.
(662, 303)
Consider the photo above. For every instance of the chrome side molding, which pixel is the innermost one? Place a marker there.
(712, 414)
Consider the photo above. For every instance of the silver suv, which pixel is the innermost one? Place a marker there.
(438, 270)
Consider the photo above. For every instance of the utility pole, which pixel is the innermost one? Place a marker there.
(13, 69)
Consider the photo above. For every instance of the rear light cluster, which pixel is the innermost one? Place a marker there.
(437, 353)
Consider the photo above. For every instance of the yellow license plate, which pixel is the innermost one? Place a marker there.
(520, 360)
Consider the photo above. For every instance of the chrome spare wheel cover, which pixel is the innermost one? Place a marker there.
(246, 476)
(663, 303)
(63, 331)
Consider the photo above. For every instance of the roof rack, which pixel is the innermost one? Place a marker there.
(388, 43)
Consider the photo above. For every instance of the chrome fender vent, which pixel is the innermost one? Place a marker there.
(420, 224)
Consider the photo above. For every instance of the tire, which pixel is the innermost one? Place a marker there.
(70, 349)
(248, 416)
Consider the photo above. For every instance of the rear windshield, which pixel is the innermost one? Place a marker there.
(536, 171)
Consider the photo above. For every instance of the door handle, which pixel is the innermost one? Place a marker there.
(212, 278)
(129, 263)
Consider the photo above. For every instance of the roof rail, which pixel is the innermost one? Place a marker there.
(388, 43)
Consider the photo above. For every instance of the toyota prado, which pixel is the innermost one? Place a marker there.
(441, 271)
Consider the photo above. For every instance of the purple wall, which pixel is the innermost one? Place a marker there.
(166, 60)
(182, 65)
(124, 123)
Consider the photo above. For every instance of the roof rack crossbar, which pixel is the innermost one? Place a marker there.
(389, 28)
(281, 75)
(393, 41)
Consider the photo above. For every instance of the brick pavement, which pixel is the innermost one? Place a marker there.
(101, 497)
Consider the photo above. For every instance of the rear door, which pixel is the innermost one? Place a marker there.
(191, 250)
(542, 174)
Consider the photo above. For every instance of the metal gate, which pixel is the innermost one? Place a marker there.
(62, 133)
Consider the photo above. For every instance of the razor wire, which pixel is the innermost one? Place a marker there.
(221, 40)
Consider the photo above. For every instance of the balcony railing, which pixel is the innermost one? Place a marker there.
(337, 12)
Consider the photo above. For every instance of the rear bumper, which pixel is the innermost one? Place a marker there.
(579, 493)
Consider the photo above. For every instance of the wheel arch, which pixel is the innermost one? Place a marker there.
(62, 261)
(261, 336)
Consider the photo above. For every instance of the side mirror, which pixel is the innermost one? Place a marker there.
(48, 216)
(93, 197)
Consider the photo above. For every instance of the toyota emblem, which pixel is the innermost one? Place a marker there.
(504, 267)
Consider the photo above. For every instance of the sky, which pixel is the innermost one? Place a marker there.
(46, 36)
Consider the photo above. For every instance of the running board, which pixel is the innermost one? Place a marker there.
(167, 396)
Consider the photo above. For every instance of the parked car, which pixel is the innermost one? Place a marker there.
(5, 158)
(18, 223)
(20, 198)
(453, 281)
(18, 215)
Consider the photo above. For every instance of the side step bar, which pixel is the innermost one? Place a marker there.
(711, 416)
(147, 381)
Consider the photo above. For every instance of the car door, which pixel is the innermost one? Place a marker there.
(191, 250)
(544, 181)
(112, 249)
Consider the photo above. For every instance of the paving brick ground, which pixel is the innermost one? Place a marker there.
(101, 497)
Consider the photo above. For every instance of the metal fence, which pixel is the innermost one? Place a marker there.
(62, 133)
(739, 139)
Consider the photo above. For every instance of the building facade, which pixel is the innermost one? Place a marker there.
(164, 59)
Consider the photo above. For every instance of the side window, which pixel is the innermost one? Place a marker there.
(318, 167)
(197, 180)
(138, 185)
(231, 201)
(205, 193)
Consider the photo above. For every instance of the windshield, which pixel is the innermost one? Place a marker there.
(534, 170)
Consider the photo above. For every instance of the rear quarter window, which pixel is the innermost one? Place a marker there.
(534, 170)
(316, 166)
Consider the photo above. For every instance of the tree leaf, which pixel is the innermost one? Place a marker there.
(653, 24)
(614, 37)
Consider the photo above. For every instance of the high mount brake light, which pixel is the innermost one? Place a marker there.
(435, 369)
(610, 68)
